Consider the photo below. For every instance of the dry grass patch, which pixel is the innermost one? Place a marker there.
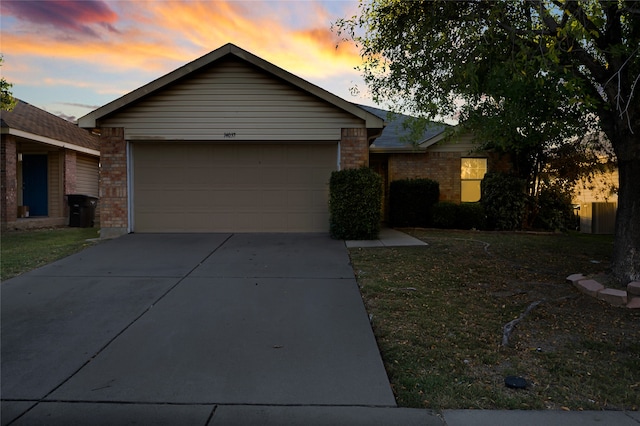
(439, 312)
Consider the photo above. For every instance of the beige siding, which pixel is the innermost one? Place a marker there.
(463, 144)
(598, 190)
(87, 175)
(232, 101)
(597, 203)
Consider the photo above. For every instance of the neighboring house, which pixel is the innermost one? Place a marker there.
(226, 143)
(597, 202)
(43, 159)
(452, 160)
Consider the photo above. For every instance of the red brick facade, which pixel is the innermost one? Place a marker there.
(70, 170)
(443, 167)
(8, 180)
(354, 149)
(113, 182)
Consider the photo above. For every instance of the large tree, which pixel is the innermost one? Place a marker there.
(534, 64)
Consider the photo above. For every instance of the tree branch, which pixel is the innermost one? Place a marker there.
(508, 327)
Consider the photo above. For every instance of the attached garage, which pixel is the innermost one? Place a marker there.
(243, 187)
(227, 143)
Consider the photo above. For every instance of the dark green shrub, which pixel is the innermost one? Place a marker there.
(471, 216)
(554, 210)
(444, 215)
(504, 201)
(449, 215)
(411, 202)
(354, 204)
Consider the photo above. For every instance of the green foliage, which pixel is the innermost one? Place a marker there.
(503, 200)
(449, 215)
(471, 216)
(22, 251)
(527, 76)
(354, 204)
(411, 201)
(444, 215)
(554, 210)
(7, 101)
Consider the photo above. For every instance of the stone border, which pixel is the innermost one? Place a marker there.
(629, 298)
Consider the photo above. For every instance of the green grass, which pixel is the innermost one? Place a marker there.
(439, 312)
(22, 251)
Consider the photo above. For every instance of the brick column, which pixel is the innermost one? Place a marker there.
(69, 172)
(354, 148)
(69, 178)
(113, 183)
(8, 181)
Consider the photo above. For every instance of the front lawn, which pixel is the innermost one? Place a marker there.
(22, 251)
(438, 313)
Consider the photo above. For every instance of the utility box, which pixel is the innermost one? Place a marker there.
(82, 210)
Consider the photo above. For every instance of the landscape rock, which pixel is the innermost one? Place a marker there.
(590, 287)
(634, 303)
(574, 278)
(634, 288)
(613, 296)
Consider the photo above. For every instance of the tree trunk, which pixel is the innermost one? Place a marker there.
(626, 246)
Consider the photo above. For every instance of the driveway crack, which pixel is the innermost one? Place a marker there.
(151, 305)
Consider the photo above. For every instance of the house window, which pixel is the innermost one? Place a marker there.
(472, 171)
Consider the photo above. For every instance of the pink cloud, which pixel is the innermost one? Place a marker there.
(74, 16)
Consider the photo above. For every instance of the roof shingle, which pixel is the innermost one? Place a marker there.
(395, 135)
(30, 119)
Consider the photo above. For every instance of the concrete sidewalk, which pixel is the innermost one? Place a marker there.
(209, 329)
(387, 238)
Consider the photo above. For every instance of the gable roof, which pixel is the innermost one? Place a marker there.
(90, 120)
(29, 122)
(395, 137)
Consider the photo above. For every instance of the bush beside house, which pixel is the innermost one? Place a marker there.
(411, 202)
(503, 200)
(354, 204)
(449, 215)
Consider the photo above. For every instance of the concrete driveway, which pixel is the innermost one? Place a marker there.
(186, 328)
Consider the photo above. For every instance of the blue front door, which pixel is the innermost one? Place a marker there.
(34, 184)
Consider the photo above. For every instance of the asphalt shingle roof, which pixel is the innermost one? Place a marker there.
(394, 135)
(30, 119)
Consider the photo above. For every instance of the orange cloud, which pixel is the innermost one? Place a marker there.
(310, 52)
(106, 55)
(158, 36)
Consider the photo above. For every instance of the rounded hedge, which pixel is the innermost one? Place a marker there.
(355, 197)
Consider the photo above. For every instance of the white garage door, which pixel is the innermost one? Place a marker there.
(242, 187)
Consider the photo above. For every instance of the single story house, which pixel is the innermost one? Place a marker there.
(43, 158)
(227, 143)
(441, 154)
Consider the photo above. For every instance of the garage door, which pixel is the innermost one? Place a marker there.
(209, 187)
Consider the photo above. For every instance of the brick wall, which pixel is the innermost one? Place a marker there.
(69, 172)
(70, 168)
(8, 180)
(113, 183)
(354, 149)
(443, 167)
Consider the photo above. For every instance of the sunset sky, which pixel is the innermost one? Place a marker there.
(71, 57)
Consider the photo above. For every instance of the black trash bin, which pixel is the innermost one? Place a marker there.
(82, 210)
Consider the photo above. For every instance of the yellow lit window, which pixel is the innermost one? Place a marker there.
(472, 171)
